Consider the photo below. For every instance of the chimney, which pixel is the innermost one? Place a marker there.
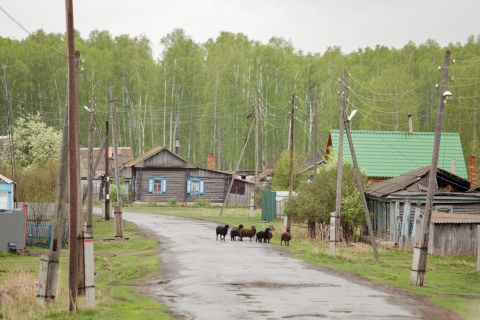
(211, 162)
(473, 172)
(410, 124)
(454, 166)
(177, 146)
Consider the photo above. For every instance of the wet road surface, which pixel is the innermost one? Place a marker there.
(209, 279)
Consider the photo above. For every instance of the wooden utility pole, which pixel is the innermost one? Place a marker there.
(361, 191)
(315, 95)
(335, 220)
(253, 192)
(236, 167)
(90, 167)
(49, 293)
(290, 179)
(118, 208)
(73, 152)
(10, 128)
(419, 261)
(81, 251)
(106, 177)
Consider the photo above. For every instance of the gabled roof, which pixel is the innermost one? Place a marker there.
(125, 155)
(309, 160)
(415, 182)
(5, 179)
(386, 154)
(150, 153)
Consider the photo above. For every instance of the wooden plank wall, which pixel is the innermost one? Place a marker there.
(165, 160)
(452, 239)
(215, 183)
(176, 185)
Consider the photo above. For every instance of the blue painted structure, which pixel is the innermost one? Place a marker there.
(6, 193)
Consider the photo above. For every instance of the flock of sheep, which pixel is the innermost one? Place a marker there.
(241, 232)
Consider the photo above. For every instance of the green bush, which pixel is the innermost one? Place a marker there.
(113, 194)
(172, 202)
(202, 203)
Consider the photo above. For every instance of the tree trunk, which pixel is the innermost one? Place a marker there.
(311, 229)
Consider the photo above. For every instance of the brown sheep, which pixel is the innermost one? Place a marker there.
(247, 233)
(270, 233)
(286, 236)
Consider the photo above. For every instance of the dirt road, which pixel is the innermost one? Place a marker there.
(202, 278)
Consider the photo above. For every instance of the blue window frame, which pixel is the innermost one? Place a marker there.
(157, 185)
(195, 186)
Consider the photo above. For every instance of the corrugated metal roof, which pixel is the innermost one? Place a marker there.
(390, 154)
(444, 217)
(398, 183)
(5, 179)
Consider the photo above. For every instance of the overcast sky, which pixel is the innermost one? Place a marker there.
(311, 25)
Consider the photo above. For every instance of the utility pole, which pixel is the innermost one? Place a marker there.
(89, 282)
(360, 190)
(48, 279)
(106, 177)
(311, 221)
(81, 251)
(90, 167)
(10, 128)
(73, 150)
(236, 167)
(335, 220)
(290, 180)
(253, 192)
(118, 208)
(419, 261)
(314, 171)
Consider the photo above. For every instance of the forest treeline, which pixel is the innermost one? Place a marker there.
(203, 93)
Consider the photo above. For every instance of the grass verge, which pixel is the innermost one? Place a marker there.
(119, 266)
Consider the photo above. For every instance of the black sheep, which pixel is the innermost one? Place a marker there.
(263, 235)
(222, 231)
(235, 232)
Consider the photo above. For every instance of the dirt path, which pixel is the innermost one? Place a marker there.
(202, 278)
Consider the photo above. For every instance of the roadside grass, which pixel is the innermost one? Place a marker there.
(119, 266)
(452, 282)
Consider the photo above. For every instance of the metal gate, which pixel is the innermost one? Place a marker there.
(268, 205)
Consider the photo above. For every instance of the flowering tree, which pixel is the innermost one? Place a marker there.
(34, 142)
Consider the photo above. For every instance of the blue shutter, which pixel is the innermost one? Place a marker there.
(150, 185)
(164, 186)
(201, 187)
(189, 186)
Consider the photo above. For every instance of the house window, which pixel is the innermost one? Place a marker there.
(195, 186)
(157, 185)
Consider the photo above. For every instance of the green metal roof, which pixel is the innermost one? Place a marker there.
(390, 154)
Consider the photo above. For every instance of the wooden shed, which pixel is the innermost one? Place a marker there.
(159, 175)
(453, 233)
(395, 203)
